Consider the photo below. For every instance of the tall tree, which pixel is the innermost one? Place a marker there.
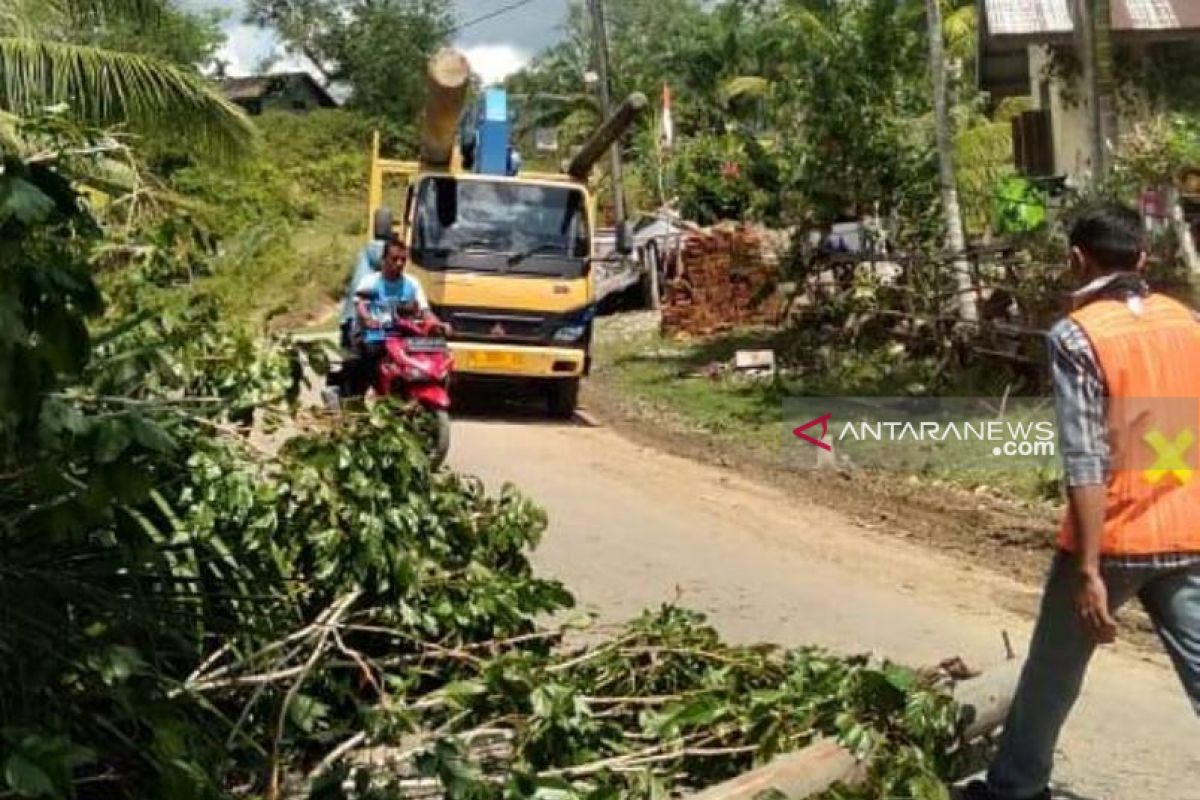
(378, 48)
(955, 238)
(44, 63)
(171, 33)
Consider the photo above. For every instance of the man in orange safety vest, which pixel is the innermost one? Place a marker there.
(1125, 364)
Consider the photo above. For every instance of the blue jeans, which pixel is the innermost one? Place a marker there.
(1059, 655)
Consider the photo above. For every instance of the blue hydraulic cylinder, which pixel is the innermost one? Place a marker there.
(492, 153)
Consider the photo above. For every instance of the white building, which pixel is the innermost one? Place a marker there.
(1018, 40)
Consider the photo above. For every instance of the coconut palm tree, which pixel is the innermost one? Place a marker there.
(956, 240)
(41, 66)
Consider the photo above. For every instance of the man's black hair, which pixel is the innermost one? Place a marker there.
(1110, 234)
(394, 241)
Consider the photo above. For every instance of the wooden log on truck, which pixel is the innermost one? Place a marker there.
(598, 143)
(823, 764)
(446, 79)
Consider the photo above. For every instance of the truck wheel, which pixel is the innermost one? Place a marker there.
(563, 397)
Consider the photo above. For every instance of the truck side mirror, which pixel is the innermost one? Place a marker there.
(625, 238)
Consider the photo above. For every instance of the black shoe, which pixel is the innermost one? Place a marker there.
(978, 790)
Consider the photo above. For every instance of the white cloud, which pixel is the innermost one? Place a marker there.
(495, 62)
(247, 45)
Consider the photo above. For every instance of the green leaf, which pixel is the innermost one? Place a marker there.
(927, 787)
(306, 711)
(459, 692)
(112, 439)
(150, 434)
(28, 779)
(900, 677)
(118, 664)
(23, 201)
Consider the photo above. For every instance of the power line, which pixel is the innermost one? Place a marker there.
(490, 15)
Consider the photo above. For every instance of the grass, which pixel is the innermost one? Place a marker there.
(671, 376)
(679, 384)
(289, 276)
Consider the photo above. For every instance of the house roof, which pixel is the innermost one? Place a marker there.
(1045, 20)
(256, 87)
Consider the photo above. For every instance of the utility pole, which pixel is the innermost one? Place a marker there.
(956, 240)
(600, 40)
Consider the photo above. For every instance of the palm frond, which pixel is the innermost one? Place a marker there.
(960, 29)
(751, 86)
(125, 9)
(810, 24)
(10, 139)
(106, 87)
(21, 17)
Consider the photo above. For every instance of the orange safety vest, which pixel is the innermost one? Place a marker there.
(1150, 362)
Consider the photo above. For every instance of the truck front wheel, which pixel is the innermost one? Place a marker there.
(562, 397)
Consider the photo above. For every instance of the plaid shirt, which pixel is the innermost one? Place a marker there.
(1081, 399)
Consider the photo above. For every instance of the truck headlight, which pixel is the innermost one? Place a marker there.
(569, 333)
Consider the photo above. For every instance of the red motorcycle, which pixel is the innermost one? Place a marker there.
(414, 368)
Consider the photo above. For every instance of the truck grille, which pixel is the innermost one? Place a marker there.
(502, 327)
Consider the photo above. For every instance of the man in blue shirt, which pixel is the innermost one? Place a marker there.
(376, 299)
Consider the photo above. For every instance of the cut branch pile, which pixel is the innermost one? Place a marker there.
(659, 707)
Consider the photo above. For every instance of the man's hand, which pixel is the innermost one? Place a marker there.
(1091, 601)
(1091, 598)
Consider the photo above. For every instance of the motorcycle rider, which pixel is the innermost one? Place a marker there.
(378, 298)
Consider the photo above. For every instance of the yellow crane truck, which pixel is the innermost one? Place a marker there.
(504, 256)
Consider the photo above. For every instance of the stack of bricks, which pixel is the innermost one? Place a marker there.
(727, 277)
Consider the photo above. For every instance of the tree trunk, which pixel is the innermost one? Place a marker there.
(956, 242)
(1085, 49)
(1183, 231)
(1106, 93)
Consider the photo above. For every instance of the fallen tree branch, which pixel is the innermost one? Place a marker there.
(326, 623)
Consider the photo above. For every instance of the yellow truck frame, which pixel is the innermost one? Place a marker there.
(549, 295)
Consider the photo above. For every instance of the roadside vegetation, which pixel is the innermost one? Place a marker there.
(688, 388)
(288, 218)
(206, 591)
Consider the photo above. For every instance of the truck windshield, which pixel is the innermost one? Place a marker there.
(500, 226)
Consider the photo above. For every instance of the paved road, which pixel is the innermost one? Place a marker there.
(631, 528)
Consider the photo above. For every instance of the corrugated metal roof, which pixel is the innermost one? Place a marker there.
(247, 88)
(1052, 18)
(255, 87)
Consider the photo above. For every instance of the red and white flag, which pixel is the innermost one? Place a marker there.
(666, 133)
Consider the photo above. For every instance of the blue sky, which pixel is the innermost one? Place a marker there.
(495, 47)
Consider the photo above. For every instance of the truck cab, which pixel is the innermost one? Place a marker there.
(507, 262)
